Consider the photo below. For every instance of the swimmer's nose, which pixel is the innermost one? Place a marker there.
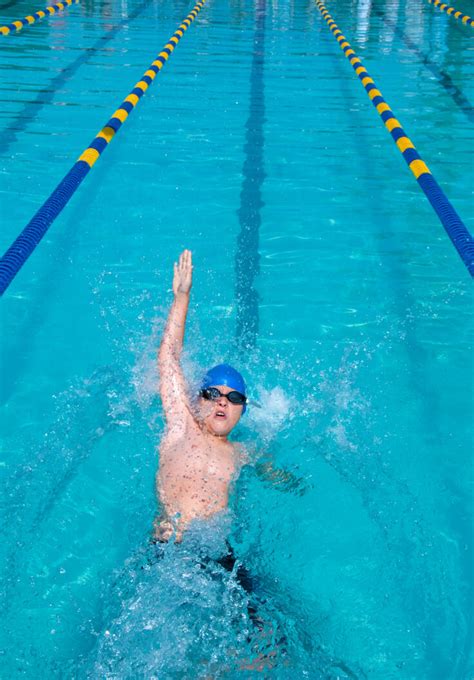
(222, 401)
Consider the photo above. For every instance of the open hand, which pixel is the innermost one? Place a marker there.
(183, 273)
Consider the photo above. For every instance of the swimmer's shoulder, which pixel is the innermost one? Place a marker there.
(244, 454)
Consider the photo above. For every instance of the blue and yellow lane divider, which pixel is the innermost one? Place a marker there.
(455, 228)
(26, 242)
(443, 7)
(19, 24)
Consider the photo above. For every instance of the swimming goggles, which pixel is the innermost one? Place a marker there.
(213, 394)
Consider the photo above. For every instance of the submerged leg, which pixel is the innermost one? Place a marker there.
(268, 650)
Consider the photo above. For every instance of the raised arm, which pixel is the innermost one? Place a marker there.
(172, 383)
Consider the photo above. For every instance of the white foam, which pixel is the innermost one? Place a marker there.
(273, 413)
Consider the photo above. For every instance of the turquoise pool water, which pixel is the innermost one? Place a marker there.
(321, 271)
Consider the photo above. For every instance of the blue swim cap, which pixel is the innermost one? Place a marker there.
(223, 374)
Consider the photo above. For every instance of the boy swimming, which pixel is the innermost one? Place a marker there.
(197, 461)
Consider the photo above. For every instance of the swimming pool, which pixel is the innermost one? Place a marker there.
(321, 271)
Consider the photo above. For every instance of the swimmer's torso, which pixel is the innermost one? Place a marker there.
(196, 470)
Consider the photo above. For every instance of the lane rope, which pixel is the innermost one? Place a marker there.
(26, 242)
(443, 7)
(454, 226)
(19, 24)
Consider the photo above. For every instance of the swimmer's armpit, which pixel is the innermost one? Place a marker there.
(281, 479)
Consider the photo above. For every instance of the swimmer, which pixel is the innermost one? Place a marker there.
(197, 460)
(198, 463)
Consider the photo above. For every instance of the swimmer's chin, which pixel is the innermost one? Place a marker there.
(222, 430)
(215, 428)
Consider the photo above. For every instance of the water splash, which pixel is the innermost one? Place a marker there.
(273, 412)
(180, 613)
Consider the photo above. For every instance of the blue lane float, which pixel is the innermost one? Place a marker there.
(21, 249)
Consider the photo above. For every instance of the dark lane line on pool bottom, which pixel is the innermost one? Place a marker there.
(7, 5)
(46, 95)
(247, 257)
(442, 77)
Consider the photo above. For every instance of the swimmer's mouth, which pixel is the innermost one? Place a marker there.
(220, 414)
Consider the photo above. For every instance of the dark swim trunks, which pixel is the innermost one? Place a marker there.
(244, 579)
(266, 642)
(242, 574)
(228, 562)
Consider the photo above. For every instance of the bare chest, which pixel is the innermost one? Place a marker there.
(198, 458)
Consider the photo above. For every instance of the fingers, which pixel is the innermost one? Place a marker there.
(183, 273)
(185, 261)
